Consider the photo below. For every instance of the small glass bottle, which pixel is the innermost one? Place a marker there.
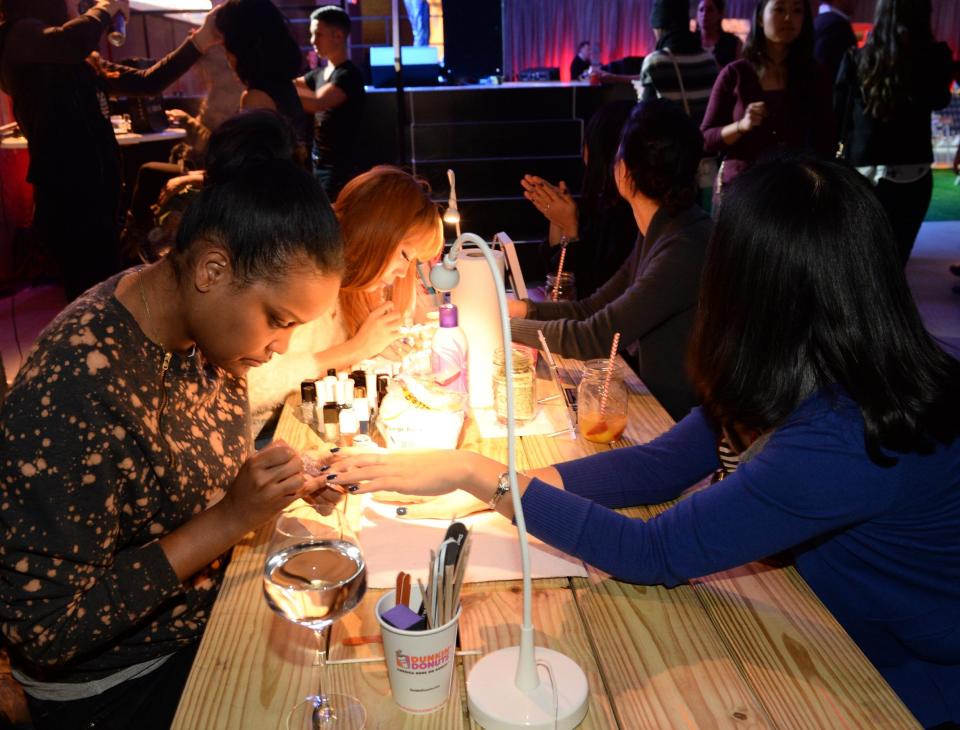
(601, 402)
(524, 386)
(308, 404)
(565, 288)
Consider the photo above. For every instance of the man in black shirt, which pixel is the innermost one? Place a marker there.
(581, 62)
(334, 93)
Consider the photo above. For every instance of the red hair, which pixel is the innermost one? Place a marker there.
(377, 210)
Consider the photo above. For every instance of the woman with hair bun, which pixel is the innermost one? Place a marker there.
(126, 471)
(830, 421)
(652, 299)
(389, 223)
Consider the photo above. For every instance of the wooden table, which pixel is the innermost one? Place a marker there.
(746, 648)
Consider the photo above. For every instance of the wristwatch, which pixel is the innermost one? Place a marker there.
(503, 487)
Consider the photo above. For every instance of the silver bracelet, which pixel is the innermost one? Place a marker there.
(503, 487)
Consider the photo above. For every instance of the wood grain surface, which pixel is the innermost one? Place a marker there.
(747, 648)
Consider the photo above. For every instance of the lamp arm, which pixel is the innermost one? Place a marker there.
(527, 678)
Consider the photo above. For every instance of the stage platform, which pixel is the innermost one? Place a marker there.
(490, 135)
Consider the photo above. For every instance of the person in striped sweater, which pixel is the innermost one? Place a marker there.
(679, 69)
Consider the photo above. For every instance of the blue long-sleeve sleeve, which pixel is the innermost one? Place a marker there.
(878, 545)
(808, 481)
(648, 474)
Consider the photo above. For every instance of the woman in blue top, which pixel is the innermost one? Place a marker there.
(843, 413)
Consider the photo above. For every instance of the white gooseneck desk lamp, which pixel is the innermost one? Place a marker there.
(495, 702)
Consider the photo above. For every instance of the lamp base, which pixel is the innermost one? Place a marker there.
(495, 703)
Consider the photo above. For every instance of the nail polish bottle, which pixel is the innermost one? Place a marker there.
(346, 416)
(361, 407)
(308, 404)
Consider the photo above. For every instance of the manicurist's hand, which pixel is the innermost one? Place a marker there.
(380, 330)
(266, 483)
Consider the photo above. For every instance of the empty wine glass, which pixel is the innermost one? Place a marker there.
(314, 575)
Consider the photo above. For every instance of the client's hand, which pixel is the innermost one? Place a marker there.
(424, 473)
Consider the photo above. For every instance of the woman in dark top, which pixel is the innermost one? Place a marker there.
(600, 230)
(775, 97)
(883, 99)
(726, 47)
(266, 59)
(59, 90)
(126, 467)
(652, 299)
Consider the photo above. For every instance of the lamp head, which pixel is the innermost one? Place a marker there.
(444, 275)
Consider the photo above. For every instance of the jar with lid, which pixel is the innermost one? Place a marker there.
(563, 289)
(601, 402)
(524, 386)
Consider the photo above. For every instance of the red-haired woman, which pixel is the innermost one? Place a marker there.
(389, 223)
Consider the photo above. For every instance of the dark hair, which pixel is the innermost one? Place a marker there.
(803, 291)
(51, 12)
(661, 147)
(247, 138)
(799, 55)
(263, 207)
(885, 64)
(581, 44)
(670, 14)
(602, 139)
(258, 35)
(334, 17)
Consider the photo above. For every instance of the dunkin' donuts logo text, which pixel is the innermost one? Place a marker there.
(426, 663)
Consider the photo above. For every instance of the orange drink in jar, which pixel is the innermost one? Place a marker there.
(601, 402)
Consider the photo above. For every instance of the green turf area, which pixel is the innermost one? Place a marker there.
(945, 205)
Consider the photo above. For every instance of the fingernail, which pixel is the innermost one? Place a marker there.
(331, 476)
(401, 511)
(324, 468)
(334, 450)
(353, 488)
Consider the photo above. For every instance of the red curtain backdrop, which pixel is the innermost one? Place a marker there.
(546, 32)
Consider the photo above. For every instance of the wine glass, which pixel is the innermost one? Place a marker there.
(314, 575)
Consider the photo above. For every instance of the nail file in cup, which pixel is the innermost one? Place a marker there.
(420, 664)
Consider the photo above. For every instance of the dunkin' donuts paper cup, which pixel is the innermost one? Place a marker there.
(420, 664)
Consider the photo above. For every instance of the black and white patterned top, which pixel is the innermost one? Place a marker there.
(90, 479)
